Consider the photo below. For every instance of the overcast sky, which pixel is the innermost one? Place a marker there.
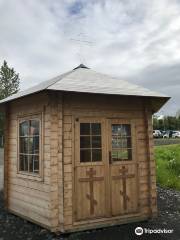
(136, 40)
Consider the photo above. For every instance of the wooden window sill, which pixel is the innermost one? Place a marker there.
(29, 176)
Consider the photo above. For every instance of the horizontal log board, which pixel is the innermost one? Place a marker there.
(35, 199)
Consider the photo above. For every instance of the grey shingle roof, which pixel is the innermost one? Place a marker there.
(85, 80)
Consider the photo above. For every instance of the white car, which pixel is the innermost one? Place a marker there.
(166, 135)
(157, 134)
(176, 134)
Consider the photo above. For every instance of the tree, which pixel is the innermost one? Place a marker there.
(9, 81)
(167, 123)
(9, 84)
(155, 123)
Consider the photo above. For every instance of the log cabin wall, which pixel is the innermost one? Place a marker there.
(91, 105)
(49, 200)
(56, 167)
(36, 199)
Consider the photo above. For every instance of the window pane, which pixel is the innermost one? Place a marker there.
(24, 128)
(23, 145)
(96, 142)
(129, 154)
(95, 128)
(114, 155)
(85, 142)
(123, 154)
(129, 144)
(121, 130)
(127, 129)
(34, 163)
(34, 127)
(85, 155)
(118, 155)
(96, 155)
(115, 129)
(121, 142)
(31, 163)
(23, 164)
(34, 145)
(115, 142)
(84, 128)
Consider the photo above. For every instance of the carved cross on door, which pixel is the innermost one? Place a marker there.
(91, 180)
(124, 176)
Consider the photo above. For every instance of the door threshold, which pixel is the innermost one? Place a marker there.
(106, 219)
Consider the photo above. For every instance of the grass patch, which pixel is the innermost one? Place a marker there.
(168, 166)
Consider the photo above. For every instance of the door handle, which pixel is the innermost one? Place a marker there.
(110, 158)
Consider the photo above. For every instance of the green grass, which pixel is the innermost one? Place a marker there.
(168, 166)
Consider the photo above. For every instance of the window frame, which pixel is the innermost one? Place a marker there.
(81, 119)
(26, 174)
(122, 148)
(91, 147)
(132, 124)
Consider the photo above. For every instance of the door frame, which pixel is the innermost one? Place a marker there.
(106, 121)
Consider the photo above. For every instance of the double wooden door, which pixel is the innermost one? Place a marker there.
(105, 168)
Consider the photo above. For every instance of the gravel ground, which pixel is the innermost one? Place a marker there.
(14, 228)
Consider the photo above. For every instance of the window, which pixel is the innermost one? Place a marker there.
(29, 145)
(90, 142)
(121, 142)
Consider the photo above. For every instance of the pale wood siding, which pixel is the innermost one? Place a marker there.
(56, 142)
(68, 142)
(6, 156)
(82, 105)
(36, 199)
(60, 163)
(49, 200)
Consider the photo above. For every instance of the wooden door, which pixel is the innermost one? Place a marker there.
(123, 167)
(90, 168)
(105, 168)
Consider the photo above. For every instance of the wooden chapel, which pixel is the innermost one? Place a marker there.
(79, 152)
